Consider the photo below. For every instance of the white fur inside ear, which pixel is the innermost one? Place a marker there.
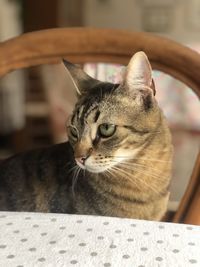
(74, 83)
(76, 86)
(138, 71)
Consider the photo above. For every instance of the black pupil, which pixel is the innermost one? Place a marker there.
(106, 126)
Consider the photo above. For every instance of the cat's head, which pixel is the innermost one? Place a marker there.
(112, 122)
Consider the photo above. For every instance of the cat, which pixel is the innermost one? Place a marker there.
(117, 161)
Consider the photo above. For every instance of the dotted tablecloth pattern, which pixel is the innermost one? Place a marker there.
(37, 239)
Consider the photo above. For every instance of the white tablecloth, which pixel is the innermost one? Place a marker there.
(35, 239)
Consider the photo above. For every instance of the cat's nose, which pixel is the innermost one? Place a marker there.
(81, 160)
(81, 157)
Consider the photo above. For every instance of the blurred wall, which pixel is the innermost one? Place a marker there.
(177, 19)
(12, 85)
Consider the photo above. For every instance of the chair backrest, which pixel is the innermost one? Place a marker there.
(81, 45)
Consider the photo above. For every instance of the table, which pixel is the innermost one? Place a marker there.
(39, 239)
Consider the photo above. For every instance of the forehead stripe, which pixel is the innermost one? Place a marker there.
(90, 109)
(96, 116)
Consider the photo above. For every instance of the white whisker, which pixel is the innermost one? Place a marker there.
(146, 159)
(74, 167)
(154, 189)
(154, 175)
(128, 176)
(132, 164)
(75, 178)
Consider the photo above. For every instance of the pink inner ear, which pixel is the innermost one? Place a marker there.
(139, 71)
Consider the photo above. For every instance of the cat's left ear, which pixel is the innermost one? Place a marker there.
(139, 73)
(81, 80)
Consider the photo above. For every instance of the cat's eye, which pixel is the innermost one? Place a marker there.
(107, 130)
(73, 132)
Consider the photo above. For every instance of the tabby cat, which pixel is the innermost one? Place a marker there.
(117, 161)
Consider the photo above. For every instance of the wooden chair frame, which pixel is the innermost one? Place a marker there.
(83, 45)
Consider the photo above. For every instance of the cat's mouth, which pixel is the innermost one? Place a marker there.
(81, 165)
(101, 163)
(93, 168)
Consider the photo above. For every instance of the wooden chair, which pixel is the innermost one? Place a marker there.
(83, 45)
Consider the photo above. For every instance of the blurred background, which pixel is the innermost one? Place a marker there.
(35, 102)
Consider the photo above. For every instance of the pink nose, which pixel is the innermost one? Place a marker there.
(81, 160)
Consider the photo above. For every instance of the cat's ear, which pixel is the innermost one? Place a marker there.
(81, 80)
(138, 73)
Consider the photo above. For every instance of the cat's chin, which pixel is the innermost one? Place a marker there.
(95, 170)
(91, 169)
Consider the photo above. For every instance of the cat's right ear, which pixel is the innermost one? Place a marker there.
(81, 80)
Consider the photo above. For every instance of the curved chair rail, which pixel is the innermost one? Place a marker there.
(100, 45)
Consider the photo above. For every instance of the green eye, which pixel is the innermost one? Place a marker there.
(73, 132)
(106, 130)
